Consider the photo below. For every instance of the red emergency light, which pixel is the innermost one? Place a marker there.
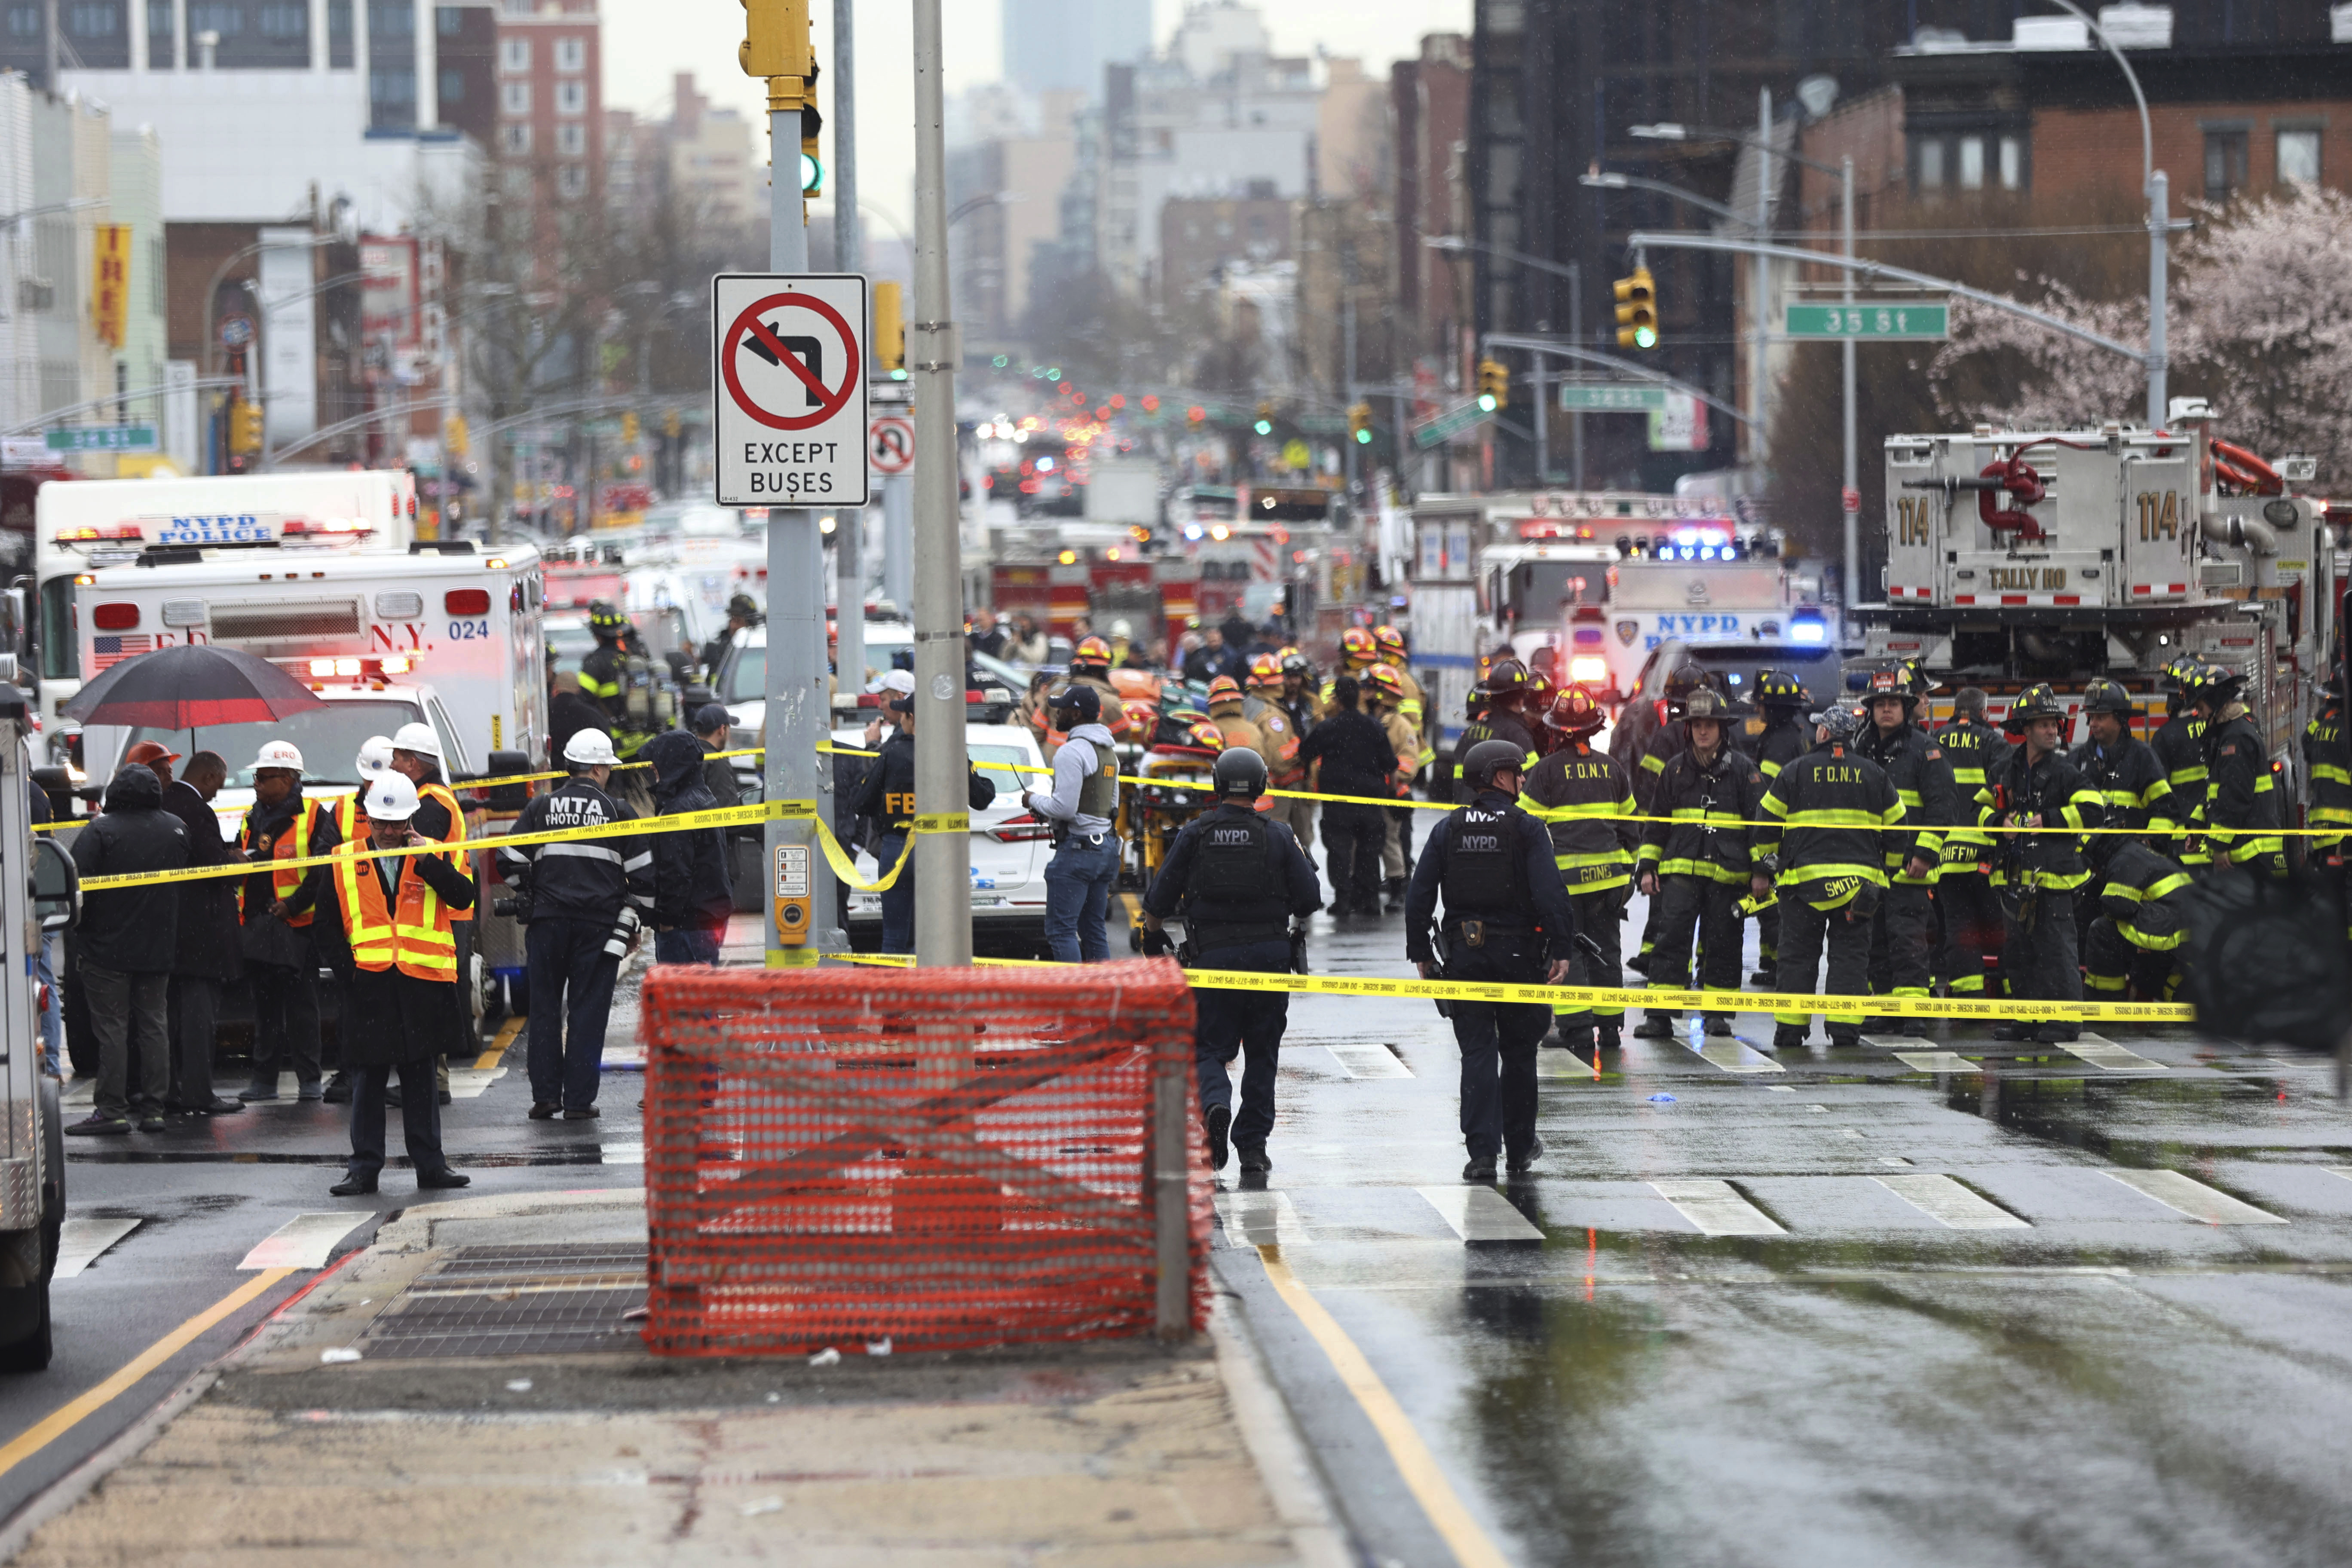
(116, 617)
(327, 528)
(119, 530)
(1550, 528)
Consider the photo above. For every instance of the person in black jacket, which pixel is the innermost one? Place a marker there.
(710, 728)
(568, 713)
(205, 957)
(1350, 754)
(693, 896)
(127, 937)
(1507, 918)
(1238, 879)
(887, 793)
(1695, 867)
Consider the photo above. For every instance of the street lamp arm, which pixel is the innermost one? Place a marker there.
(1745, 138)
(51, 415)
(1679, 241)
(1560, 350)
(1613, 181)
(1458, 242)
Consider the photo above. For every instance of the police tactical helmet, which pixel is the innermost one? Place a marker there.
(1487, 758)
(1240, 773)
(1082, 703)
(2107, 697)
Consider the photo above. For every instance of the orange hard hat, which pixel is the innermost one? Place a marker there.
(1383, 680)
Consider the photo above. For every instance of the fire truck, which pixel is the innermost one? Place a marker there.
(2017, 556)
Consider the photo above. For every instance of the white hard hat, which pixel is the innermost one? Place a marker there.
(375, 756)
(898, 681)
(391, 798)
(1121, 629)
(590, 748)
(278, 754)
(419, 737)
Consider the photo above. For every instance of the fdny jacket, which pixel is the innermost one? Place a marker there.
(1502, 871)
(1922, 778)
(1975, 753)
(1497, 725)
(2180, 748)
(583, 878)
(1832, 806)
(2327, 761)
(1575, 792)
(1709, 804)
(1775, 745)
(2241, 803)
(2129, 780)
(2146, 896)
(2050, 794)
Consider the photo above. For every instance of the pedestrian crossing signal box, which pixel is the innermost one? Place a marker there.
(791, 895)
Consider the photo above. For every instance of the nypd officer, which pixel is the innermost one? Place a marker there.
(1507, 919)
(1237, 878)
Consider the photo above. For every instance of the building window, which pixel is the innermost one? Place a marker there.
(1931, 165)
(2298, 157)
(570, 54)
(2012, 163)
(391, 19)
(514, 55)
(572, 97)
(449, 22)
(2225, 163)
(159, 18)
(25, 21)
(1968, 161)
(571, 138)
(571, 180)
(94, 20)
(453, 88)
(339, 35)
(392, 88)
(1972, 163)
(515, 139)
(283, 21)
(514, 96)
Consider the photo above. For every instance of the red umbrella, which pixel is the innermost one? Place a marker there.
(191, 688)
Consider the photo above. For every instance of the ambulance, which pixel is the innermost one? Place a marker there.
(87, 523)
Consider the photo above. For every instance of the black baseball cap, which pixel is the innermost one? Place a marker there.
(1083, 700)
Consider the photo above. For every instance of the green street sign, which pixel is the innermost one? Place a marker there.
(1883, 323)
(1610, 398)
(103, 438)
(1443, 427)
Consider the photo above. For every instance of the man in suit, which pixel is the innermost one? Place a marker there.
(205, 954)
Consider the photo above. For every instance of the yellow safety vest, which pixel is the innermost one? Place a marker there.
(416, 935)
(294, 844)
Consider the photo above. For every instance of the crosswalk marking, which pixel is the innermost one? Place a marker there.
(306, 1241)
(1368, 1061)
(2343, 1171)
(2193, 1198)
(1717, 1208)
(2109, 1057)
(1562, 1064)
(1936, 1061)
(1944, 1200)
(82, 1240)
(1735, 1055)
(1480, 1213)
(467, 1083)
(1255, 1219)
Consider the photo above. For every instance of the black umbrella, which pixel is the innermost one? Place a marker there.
(191, 688)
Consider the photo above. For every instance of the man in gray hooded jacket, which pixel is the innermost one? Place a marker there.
(1082, 805)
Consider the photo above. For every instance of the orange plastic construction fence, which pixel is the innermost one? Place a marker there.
(922, 1159)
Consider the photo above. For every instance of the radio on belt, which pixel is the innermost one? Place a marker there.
(791, 895)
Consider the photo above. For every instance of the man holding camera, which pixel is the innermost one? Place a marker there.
(582, 901)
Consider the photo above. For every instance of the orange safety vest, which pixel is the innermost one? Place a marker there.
(294, 844)
(416, 935)
(351, 822)
(442, 793)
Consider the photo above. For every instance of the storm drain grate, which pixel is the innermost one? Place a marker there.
(516, 1300)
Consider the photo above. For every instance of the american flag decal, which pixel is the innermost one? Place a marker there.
(114, 650)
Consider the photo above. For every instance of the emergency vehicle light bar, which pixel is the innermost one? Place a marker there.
(346, 667)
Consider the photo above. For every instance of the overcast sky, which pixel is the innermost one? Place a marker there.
(647, 42)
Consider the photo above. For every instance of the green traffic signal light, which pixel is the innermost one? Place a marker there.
(811, 175)
(1363, 437)
(1645, 337)
(1263, 426)
(1487, 404)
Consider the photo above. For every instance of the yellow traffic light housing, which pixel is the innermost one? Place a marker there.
(776, 39)
(245, 429)
(1494, 385)
(1264, 426)
(455, 437)
(1637, 310)
(1359, 423)
(629, 428)
(889, 331)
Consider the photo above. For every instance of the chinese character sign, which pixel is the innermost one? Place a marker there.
(110, 291)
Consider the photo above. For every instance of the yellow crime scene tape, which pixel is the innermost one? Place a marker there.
(1991, 1009)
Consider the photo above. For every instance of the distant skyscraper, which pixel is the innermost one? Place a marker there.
(1063, 45)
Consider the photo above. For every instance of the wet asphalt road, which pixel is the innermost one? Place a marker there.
(1821, 1308)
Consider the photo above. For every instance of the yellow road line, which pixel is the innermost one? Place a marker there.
(66, 1416)
(499, 1044)
(1448, 1515)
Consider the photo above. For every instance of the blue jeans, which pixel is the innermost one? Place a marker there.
(898, 897)
(1077, 898)
(45, 970)
(570, 979)
(687, 944)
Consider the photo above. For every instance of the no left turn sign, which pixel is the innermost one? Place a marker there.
(788, 392)
(890, 444)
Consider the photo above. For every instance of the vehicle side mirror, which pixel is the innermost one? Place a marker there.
(56, 887)
(507, 797)
(681, 665)
(58, 784)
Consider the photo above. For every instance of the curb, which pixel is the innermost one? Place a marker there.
(410, 1230)
(1302, 1499)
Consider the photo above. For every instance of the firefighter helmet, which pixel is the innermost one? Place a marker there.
(1206, 736)
(1356, 648)
(1779, 688)
(1684, 679)
(1091, 654)
(1384, 680)
(1225, 688)
(1703, 703)
(1506, 677)
(1574, 713)
(1892, 683)
(2107, 697)
(1296, 663)
(2220, 685)
(607, 622)
(1392, 643)
(1266, 669)
(2036, 702)
(1538, 692)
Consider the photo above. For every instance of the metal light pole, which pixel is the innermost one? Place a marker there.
(942, 861)
(1850, 497)
(849, 526)
(799, 714)
(1758, 447)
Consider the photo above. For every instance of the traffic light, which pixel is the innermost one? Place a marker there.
(245, 429)
(1264, 426)
(671, 423)
(1359, 423)
(776, 39)
(812, 166)
(1637, 310)
(1494, 385)
(629, 428)
(889, 331)
(455, 437)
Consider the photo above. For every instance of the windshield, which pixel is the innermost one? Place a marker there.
(570, 642)
(747, 677)
(995, 762)
(1820, 669)
(329, 738)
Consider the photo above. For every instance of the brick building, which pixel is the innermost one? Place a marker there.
(551, 100)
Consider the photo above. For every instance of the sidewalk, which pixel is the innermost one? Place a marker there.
(501, 1410)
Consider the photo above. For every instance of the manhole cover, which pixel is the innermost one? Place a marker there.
(516, 1300)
